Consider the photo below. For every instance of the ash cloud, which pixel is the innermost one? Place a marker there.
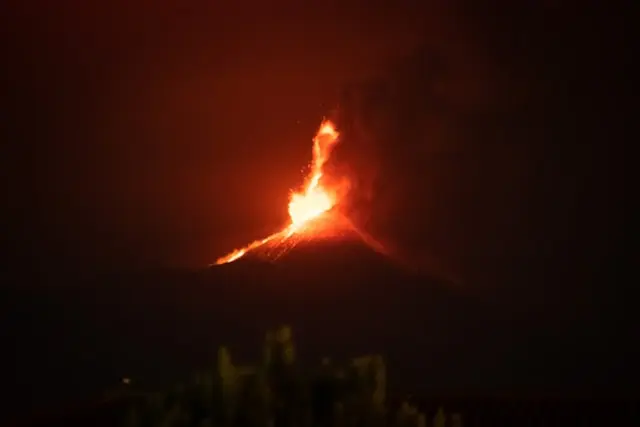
(485, 150)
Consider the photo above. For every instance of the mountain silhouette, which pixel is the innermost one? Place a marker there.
(341, 297)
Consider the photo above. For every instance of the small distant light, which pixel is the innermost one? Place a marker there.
(126, 380)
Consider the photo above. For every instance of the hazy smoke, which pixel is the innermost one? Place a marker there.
(475, 149)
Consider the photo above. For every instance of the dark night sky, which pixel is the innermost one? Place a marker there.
(162, 135)
(485, 144)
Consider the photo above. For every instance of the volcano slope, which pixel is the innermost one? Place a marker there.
(340, 297)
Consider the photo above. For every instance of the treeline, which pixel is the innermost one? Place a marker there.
(278, 392)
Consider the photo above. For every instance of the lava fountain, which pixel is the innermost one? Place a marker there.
(309, 204)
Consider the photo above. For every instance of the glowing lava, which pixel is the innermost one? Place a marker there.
(305, 205)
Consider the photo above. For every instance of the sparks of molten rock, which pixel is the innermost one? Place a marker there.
(306, 205)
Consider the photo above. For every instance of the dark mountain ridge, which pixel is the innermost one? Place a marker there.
(341, 298)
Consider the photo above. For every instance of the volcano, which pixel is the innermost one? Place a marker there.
(329, 229)
(315, 201)
(315, 220)
(342, 292)
(322, 273)
(328, 264)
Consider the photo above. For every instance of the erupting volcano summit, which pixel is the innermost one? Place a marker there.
(309, 208)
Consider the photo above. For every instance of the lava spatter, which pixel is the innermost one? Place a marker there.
(306, 205)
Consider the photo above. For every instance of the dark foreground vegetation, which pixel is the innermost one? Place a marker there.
(280, 391)
(277, 391)
(447, 348)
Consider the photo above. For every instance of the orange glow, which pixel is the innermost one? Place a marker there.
(315, 199)
(310, 203)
